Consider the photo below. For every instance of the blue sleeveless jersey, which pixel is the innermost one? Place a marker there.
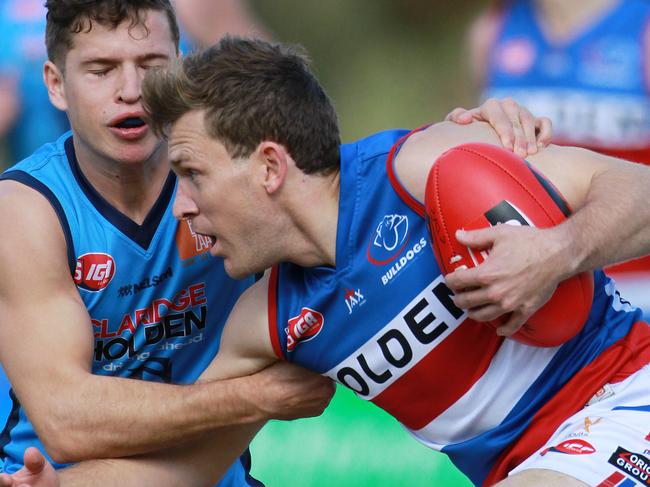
(157, 299)
(382, 322)
(592, 87)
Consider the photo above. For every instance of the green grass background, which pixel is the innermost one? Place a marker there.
(352, 444)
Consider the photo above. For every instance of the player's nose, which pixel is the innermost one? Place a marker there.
(184, 206)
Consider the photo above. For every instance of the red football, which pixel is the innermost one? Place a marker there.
(480, 185)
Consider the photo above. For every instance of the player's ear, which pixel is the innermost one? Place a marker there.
(53, 78)
(275, 160)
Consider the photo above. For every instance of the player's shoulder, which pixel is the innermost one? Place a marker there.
(421, 149)
(26, 214)
(47, 156)
(23, 183)
(375, 145)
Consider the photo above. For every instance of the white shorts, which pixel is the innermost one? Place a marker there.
(607, 443)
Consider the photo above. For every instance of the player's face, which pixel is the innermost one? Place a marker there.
(100, 89)
(220, 196)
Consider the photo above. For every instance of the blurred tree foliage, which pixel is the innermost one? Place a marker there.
(385, 63)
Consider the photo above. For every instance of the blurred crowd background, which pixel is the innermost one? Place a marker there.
(385, 64)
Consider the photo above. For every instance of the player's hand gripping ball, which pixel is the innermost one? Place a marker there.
(476, 185)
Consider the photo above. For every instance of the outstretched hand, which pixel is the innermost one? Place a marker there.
(518, 277)
(37, 472)
(516, 127)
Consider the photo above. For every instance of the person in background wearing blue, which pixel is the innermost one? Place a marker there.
(585, 65)
(27, 118)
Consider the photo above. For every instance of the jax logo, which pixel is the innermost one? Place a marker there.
(94, 271)
(353, 298)
(303, 327)
(571, 447)
(390, 238)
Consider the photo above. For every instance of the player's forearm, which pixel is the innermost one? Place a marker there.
(112, 417)
(201, 462)
(614, 223)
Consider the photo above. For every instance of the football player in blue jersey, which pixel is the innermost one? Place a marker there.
(254, 141)
(100, 285)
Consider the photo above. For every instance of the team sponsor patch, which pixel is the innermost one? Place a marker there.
(403, 261)
(601, 394)
(179, 318)
(589, 422)
(303, 327)
(389, 240)
(94, 271)
(145, 283)
(632, 464)
(571, 447)
(353, 299)
(189, 243)
(407, 338)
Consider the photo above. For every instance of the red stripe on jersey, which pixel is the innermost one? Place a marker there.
(441, 370)
(401, 191)
(273, 313)
(612, 480)
(615, 364)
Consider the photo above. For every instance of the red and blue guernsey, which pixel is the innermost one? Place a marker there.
(382, 322)
(157, 299)
(592, 86)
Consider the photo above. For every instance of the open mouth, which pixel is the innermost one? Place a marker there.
(130, 123)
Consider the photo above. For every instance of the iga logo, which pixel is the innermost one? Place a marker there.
(571, 447)
(390, 238)
(303, 327)
(94, 271)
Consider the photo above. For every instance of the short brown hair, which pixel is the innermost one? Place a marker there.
(68, 17)
(252, 91)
